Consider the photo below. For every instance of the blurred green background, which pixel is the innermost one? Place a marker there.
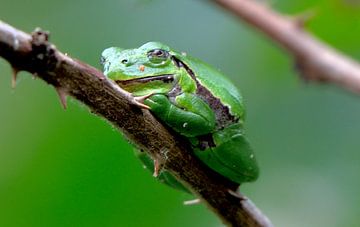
(71, 168)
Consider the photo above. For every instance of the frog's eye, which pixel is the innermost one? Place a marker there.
(158, 55)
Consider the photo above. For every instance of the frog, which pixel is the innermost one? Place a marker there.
(193, 99)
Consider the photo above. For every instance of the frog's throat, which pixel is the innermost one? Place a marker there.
(166, 78)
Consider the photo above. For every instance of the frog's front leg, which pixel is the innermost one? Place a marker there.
(187, 114)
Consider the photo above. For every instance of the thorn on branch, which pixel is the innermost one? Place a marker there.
(139, 101)
(157, 168)
(308, 71)
(266, 3)
(15, 72)
(303, 69)
(62, 93)
(34, 76)
(302, 19)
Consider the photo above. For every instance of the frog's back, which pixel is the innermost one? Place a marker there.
(220, 86)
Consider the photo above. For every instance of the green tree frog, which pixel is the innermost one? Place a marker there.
(192, 98)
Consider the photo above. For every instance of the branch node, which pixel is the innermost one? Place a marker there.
(40, 36)
(43, 54)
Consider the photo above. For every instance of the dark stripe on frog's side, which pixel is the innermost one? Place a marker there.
(222, 112)
(166, 78)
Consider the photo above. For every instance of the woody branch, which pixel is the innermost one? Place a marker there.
(34, 53)
(315, 60)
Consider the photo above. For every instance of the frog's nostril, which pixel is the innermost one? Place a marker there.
(124, 61)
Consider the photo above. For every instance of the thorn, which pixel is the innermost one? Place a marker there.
(157, 168)
(306, 71)
(266, 2)
(34, 76)
(302, 19)
(139, 101)
(141, 105)
(192, 202)
(237, 195)
(15, 71)
(62, 95)
(352, 3)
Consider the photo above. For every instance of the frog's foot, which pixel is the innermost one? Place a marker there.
(237, 195)
(139, 101)
(192, 202)
(157, 168)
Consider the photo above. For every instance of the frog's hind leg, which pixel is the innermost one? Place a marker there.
(232, 157)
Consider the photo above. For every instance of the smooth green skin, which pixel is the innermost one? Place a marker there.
(187, 112)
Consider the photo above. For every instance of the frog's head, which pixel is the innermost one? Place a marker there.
(148, 68)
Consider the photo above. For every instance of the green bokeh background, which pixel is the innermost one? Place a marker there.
(71, 168)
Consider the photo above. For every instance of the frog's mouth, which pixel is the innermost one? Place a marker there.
(165, 78)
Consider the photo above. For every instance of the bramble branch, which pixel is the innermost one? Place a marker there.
(34, 53)
(315, 60)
